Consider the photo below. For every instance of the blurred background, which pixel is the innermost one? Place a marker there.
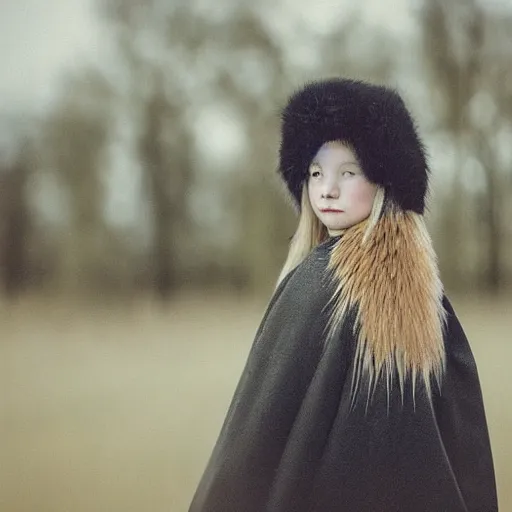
(143, 226)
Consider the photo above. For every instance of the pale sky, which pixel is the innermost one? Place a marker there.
(39, 38)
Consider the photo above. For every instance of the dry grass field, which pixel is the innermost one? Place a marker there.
(108, 409)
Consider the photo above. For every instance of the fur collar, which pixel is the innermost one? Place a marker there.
(387, 272)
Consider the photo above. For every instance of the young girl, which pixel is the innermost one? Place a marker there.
(360, 393)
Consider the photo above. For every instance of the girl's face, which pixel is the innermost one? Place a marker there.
(339, 192)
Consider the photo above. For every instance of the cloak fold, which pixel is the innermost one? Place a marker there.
(292, 441)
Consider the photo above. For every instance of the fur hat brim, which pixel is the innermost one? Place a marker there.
(373, 120)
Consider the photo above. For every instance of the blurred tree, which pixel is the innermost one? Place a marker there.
(76, 134)
(263, 219)
(468, 55)
(156, 103)
(167, 172)
(15, 220)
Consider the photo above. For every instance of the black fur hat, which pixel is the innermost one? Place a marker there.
(373, 120)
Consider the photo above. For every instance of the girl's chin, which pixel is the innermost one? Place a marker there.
(336, 227)
(331, 227)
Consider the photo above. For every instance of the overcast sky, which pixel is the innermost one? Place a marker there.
(39, 38)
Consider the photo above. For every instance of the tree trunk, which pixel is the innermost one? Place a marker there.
(15, 219)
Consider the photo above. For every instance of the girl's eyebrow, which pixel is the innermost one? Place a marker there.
(350, 162)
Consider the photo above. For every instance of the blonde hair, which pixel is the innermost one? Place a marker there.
(311, 232)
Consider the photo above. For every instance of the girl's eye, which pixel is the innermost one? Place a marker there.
(314, 171)
(348, 173)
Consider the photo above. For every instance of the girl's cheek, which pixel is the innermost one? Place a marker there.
(363, 192)
(356, 192)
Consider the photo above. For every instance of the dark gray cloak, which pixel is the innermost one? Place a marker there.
(292, 442)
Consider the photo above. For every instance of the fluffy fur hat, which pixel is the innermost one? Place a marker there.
(373, 120)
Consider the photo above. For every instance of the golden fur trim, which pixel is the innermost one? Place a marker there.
(387, 272)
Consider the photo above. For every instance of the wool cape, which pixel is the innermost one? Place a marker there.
(360, 392)
(298, 438)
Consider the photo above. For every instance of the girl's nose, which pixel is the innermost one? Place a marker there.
(331, 190)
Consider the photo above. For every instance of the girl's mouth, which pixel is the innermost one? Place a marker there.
(330, 210)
